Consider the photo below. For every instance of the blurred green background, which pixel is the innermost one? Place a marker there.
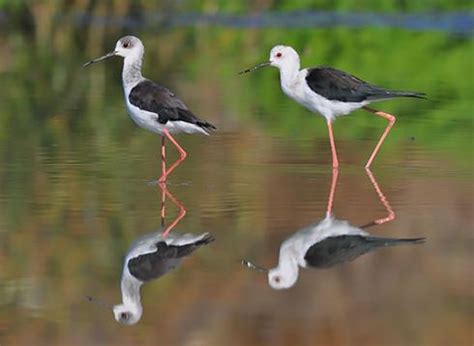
(44, 44)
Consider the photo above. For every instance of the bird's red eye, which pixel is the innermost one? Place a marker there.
(125, 45)
(278, 55)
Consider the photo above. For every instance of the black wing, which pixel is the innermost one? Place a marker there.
(346, 248)
(166, 257)
(155, 264)
(151, 97)
(338, 85)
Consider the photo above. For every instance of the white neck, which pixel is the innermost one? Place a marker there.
(130, 288)
(289, 73)
(287, 262)
(287, 268)
(132, 71)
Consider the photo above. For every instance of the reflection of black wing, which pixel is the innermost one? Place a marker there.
(151, 97)
(166, 257)
(345, 248)
(338, 85)
(155, 264)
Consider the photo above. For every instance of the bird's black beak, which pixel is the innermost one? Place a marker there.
(106, 56)
(263, 64)
(250, 265)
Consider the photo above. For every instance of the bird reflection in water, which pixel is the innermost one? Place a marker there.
(150, 257)
(328, 242)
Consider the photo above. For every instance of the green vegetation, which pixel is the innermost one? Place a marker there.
(47, 86)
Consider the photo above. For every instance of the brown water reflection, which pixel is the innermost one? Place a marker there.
(68, 237)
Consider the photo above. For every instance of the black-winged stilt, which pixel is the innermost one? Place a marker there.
(329, 92)
(150, 257)
(327, 243)
(153, 106)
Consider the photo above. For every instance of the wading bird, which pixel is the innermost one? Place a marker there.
(330, 92)
(152, 106)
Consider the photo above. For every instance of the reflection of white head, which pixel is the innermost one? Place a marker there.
(130, 311)
(285, 274)
(284, 57)
(128, 314)
(279, 279)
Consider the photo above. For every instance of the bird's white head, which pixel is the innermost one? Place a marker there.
(282, 277)
(127, 314)
(284, 56)
(128, 47)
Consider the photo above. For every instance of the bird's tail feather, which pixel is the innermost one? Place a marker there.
(407, 94)
(383, 94)
(206, 239)
(206, 126)
(393, 242)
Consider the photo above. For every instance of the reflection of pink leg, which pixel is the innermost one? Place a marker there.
(182, 156)
(163, 205)
(391, 120)
(335, 162)
(181, 213)
(332, 191)
(383, 200)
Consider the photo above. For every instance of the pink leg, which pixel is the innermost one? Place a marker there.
(335, 162)
(383, 200)
(332, 191)
(181, 213)
(391, 120)
(182, 154)
(163, 156)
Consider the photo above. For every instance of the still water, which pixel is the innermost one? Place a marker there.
(77, 190)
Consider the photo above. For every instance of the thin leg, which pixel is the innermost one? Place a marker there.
(181, 213)
(332, 191)
(383, 200)
(163, 205)
(391, 120)
(335, 162)
(182, 156)
(163, 156)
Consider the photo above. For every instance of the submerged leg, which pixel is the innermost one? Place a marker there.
(332, 191)
(181, 213)
(335, 162)
(391, 120)
(383, 200)
(182, 156)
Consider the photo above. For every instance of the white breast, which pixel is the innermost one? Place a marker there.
(303, 239)
(149, 121)
(144, 119)
(299, 91)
